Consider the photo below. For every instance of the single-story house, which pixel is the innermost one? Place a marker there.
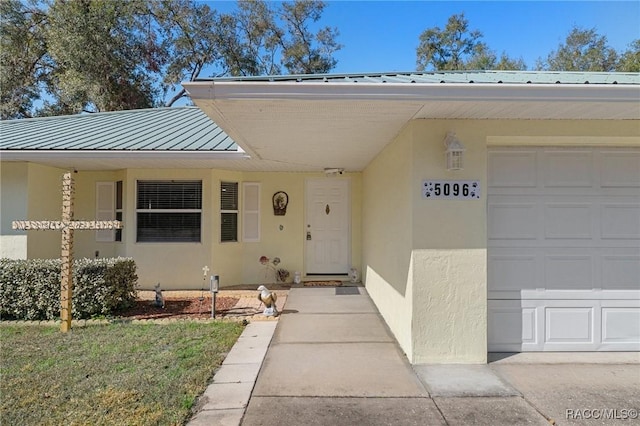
(484, 211)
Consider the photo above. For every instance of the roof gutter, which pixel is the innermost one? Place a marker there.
(483, 92)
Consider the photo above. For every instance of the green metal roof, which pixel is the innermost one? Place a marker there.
(148, 130)
(482, 77)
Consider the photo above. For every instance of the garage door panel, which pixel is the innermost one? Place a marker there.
(568, 221)
(620, 325)
(564, 251)
(512, 273)
(512, 326)
(567, 168)
(620, 221)
(620, 272)
(568, 272)
(570, 325)
(515, 169)
(566, 325)
(620, 168)
(513, 221)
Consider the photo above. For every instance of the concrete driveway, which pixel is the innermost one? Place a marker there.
(538, 389)
(577, 389)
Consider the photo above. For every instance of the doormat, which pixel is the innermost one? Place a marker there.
(322, 283)
(340, 291)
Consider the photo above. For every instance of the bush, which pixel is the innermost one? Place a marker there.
(30, 289)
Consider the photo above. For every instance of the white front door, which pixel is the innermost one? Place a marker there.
(564, 249)
(328, 236)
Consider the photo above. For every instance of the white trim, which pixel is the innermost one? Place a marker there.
(480, 92)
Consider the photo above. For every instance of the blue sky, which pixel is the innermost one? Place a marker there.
(381, 36)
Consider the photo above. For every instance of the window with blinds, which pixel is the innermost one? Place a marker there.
(119, 209)
(169, 211)
(228, 211)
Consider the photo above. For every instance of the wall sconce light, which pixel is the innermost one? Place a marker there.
(454, 152)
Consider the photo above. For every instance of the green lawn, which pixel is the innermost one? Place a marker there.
(109, 374)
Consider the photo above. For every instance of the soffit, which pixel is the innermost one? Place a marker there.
(317, 125)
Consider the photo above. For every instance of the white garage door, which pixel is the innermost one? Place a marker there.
(564, 249)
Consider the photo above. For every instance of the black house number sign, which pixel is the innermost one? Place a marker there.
(451, 189)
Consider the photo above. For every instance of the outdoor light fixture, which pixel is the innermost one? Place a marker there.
(333, 171)
(454, 152)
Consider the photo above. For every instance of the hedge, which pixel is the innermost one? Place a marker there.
(30, 289)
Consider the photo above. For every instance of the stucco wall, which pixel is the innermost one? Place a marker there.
(449, 250)
(45, 203)
(386, 235)
(443, 251)
(13, 202)
(34, 192)
(174, 265)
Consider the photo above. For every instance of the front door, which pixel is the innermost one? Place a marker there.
(327, 231)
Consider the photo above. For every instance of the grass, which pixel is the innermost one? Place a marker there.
(109, 374)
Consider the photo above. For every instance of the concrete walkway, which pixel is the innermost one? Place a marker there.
(332, 361)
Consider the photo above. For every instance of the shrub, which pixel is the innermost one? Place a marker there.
(30, 289)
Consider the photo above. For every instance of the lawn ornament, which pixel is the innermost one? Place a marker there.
(269, 299)
(159, 303)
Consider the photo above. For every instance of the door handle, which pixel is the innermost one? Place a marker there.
(308, 235)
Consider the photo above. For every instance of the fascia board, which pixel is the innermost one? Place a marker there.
(465, 92)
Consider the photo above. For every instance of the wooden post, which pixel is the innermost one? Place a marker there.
(67, 225)
(66, 255)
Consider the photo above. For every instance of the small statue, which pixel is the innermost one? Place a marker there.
(269, 300)
(159, 303)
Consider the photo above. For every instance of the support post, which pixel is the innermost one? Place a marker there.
(66, 278)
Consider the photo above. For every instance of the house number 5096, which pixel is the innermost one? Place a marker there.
(451, 189)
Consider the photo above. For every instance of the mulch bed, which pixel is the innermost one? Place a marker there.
(183, 308)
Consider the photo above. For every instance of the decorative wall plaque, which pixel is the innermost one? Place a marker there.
(280, 202)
